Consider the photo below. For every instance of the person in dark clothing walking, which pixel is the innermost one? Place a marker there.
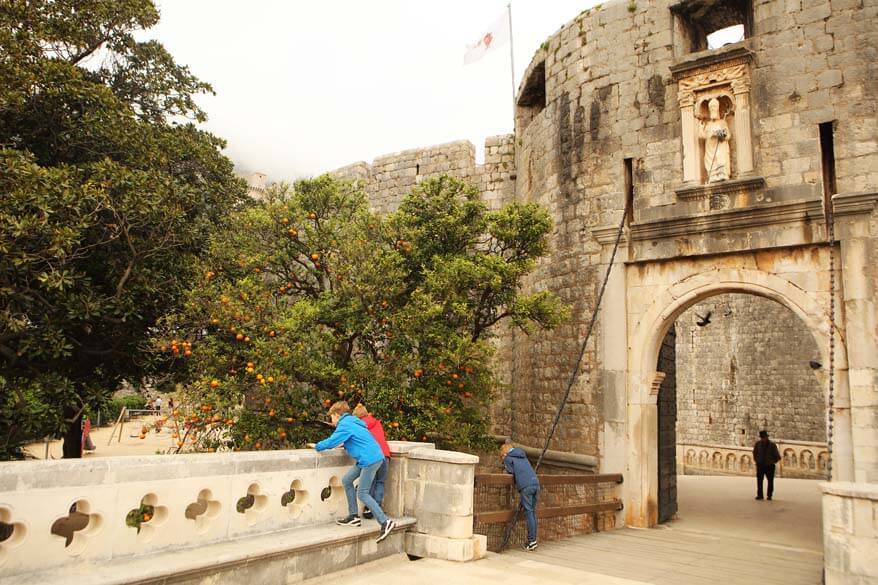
(515, 462)
(765, 455)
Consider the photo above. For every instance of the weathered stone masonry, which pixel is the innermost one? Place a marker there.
(747, 369)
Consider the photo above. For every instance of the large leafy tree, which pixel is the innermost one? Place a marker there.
(108, 193)
(310, 297)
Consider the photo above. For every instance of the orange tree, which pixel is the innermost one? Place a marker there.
(309, 297)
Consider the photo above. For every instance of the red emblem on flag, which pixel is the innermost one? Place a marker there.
(489, 38)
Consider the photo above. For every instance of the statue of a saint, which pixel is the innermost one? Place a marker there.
(715, 133)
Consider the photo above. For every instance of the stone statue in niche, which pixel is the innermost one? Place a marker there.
(716, 135)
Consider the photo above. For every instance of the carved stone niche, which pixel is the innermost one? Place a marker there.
(714, 97)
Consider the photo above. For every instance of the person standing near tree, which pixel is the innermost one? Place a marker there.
(377, 431)
(528, 485)
(765, 455)
(364, 450)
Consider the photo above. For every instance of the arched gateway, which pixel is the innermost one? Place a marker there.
(676, 286)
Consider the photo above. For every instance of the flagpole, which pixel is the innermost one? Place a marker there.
(511, 59)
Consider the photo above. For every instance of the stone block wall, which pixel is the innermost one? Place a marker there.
(745, 370)
(390, 177)
(850, 533)
(813, 67)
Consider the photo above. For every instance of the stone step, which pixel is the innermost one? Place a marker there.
(278, 557)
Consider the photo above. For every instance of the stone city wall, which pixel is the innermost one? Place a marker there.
(390, 177)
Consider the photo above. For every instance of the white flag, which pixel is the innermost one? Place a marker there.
(496, 36)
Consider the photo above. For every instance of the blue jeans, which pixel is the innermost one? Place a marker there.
(529, 497)
(378, 485)
(367, 477)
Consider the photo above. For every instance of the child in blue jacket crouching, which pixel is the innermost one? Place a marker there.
(515, 462)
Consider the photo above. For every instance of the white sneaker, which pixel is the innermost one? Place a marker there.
(386, 529)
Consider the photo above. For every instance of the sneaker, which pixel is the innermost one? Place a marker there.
(348, 521)
(386, 529)
(531, 546)
(367, 514)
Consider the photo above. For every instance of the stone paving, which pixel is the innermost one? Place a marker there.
(721, 535)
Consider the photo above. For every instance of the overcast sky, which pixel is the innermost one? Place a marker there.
(304, 87)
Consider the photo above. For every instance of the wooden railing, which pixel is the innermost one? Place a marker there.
(572, 504)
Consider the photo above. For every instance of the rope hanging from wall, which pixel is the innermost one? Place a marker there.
(574, 374)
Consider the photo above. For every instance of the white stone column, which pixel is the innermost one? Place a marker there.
(861, 323)
(743, 139)
(690, 137)
(438, 491)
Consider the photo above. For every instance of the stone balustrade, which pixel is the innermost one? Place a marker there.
(57, 514)
(799, 459)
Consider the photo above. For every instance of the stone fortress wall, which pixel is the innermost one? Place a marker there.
(747, 368)
(390, 177)
(609, 110)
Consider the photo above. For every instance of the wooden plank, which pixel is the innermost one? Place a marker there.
(580, 479)
(497, 516)
(483, 479)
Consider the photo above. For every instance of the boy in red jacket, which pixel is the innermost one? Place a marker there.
(374, 426)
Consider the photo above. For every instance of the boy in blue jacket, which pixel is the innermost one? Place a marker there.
(362, 447)
(515, 462)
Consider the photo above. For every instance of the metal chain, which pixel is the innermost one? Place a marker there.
(830, 232)
(512, 523)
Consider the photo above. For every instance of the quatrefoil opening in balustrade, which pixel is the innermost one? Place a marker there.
(77, 527)
(333, 494)
(296, 499)
(203, 511)
(253, 504)
(11, 533)
(147, 517)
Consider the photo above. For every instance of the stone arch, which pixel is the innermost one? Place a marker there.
(668, 302)
(731, 463)
(806, 460)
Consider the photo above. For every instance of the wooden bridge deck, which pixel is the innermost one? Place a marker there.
(722, 537)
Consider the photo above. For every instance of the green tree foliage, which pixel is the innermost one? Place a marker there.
(107, 195)
(311, 298)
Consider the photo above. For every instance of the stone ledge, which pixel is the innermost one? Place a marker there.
(432, 454)
(221, 558)
(744, 218)
(707, 58)
(848, 489)
(404, 447)
(577, 461)
(863, 202)
(710, 190)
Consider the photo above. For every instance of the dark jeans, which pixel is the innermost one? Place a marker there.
(764, 471)
(529, 496)
(378, 485)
